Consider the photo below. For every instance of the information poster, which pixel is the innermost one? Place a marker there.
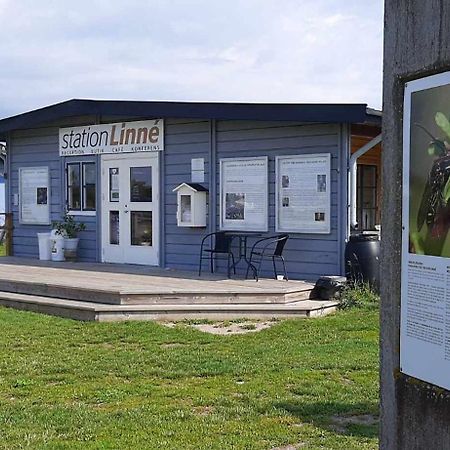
(34, 195)
(425, 295)
(303, 193)
(244, 194)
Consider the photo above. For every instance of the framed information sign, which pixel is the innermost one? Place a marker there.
(303, 190)
(244, 194)
(425, 286)
(34, 195)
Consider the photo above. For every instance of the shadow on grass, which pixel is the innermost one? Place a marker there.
(356, 419)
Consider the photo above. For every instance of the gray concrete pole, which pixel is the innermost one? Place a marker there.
(414, 415)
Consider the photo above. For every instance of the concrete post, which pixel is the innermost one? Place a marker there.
(414, 415)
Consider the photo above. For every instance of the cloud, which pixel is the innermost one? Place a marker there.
(248, 50)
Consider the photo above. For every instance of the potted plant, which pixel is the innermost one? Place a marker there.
(69, 230)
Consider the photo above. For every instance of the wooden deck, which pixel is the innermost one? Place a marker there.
(117, 292)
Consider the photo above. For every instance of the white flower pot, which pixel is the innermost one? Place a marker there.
(70, 248)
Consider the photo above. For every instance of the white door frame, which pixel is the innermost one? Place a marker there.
(124, 252)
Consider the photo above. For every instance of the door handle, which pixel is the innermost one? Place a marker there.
(126, 211)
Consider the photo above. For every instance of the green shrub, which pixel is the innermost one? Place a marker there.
(359, 295)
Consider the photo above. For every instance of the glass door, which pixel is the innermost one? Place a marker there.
(130, 201)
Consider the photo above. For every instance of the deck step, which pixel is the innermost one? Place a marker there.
(94, 311)
(247, 292)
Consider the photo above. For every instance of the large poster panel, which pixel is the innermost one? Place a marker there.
(34, 195)
(303, 190)
(244, 194)
(425, 294)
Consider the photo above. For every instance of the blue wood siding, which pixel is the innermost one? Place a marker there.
(39, 147)
(184, 140)
(308, 256)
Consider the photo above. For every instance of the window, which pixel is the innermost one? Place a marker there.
(367, 198)
(81, 186)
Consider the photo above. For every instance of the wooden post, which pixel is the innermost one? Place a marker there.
(9, 234)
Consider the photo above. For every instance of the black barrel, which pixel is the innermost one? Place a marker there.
(362, 259)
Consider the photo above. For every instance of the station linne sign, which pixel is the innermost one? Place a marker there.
(122, 137)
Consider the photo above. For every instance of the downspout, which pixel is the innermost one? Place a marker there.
(352, 176)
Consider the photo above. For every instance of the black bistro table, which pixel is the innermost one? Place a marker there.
(242, 237)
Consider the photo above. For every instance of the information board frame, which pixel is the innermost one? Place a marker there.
(326, 209)
(425, 272)
(42, 193)
(229, 225)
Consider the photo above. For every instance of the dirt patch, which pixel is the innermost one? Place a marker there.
(290, 447)
(340, 423)
(172, 345)
(203, 410)
(223, 328)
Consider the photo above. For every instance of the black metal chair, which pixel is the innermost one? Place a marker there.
(220, 245)
(267, 248)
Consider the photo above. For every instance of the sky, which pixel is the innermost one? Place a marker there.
(300, 51)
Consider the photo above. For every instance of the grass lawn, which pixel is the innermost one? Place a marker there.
(2, 250)
(72, 385)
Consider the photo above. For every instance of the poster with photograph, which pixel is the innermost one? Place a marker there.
(244, 194)
(303, 193)
(425, 295)
(34, 195)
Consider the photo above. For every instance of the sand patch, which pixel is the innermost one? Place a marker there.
(340, 423)
(223, 328)
(226, 327)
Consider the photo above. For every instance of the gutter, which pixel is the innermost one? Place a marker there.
(352, 177)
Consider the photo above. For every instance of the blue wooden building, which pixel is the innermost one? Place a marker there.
(2, 182)
(2, 194)
(114, 165)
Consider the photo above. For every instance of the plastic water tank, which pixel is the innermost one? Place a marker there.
(362, 259)
(45, 247)
(57, 243)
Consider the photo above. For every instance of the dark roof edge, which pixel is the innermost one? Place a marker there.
(304, 112)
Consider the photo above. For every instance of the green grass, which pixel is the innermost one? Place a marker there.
(72, 385)
(2, 250)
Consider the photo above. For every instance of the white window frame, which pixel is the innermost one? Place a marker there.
(80, 212)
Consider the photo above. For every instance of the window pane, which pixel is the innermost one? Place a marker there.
(74, 174)
(186, 210)
(141, 228)
(89, 173)
(114, 195)
(369, 176)
(114, 237)
(89, 182)
(89, 197)
(73, 187)
(140, 184)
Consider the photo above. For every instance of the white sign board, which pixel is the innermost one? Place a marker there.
(123, 137)
(425, 292)
(303, 189)
(244, 194)
(197, 170)
(34, 195)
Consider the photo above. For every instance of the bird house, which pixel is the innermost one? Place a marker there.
(191, 205)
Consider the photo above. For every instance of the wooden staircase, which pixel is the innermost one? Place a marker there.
(103, 293)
